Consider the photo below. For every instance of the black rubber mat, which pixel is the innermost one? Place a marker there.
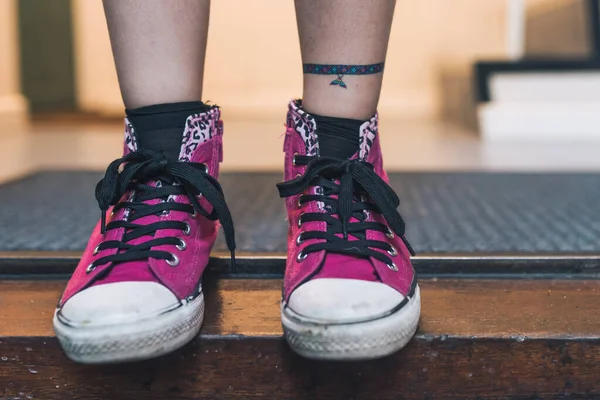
(445, 212)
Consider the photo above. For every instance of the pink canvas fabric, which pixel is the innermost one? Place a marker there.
(301, 139)
(201, 143)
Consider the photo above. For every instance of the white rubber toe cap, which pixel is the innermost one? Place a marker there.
(114, 303)
(332, 300)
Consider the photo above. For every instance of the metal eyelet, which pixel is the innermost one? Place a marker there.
(300, 220)
(193, 214)
(392, 251)
(319, 190)
(393, 267)
(182, 245)
(96, 250)
(299, 239)
(205, 168)
(294, 159)
(390, 234)
(298, 175)
(299, 203)
(90, 268)
(301, 256)
(174, 261)
(188, 229)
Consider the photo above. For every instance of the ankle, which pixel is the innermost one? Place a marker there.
(358, 103)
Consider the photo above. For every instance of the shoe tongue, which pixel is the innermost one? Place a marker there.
(337, 137)
(331, 136)
(162, 128)
(161, 133)
(166, 141)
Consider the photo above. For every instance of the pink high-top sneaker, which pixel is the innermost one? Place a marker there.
(137, 292)
(350, 291)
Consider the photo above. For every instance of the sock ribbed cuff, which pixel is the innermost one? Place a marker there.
(337, 137)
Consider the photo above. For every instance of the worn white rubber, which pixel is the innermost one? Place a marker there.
(368, 323)
(98, 327)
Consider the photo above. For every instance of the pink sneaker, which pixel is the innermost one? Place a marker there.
(137, 291)
(350, 291)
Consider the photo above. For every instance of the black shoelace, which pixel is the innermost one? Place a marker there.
(132, 173)
(357, 182)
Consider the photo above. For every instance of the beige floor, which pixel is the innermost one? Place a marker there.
(257, 145)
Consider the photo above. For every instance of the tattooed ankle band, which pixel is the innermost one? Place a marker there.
(341, 70)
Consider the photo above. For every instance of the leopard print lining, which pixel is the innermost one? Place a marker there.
(130, 140)
(305, 125)
(199, 128)
(368, 132)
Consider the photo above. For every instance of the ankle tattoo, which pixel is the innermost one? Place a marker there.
(341, 70)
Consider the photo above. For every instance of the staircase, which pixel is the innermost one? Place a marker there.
(495, 324)
(548, 96)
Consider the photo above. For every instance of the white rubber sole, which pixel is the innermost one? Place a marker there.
(352, 341)
(133, 341)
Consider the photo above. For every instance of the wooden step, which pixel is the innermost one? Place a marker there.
(485, 339)
(33, 264)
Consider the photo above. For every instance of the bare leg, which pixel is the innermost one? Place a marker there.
(347, 32)
(159, 48)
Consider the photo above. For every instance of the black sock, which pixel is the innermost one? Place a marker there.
(338, 137)
(160, 127)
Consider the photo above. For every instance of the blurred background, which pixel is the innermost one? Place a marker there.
(469, 84)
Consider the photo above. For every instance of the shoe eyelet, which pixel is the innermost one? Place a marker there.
(301, 256)
(392, 251)
(96, 250)
(173, 261)
(299, 203)
(299, 239)
(90, 268)
(319, 190)
(193, 214)
(298, 175)
(205, 168)
(300, 220)
(188, 229)
(390, 234)
(294, 159)
(393, 267)
(182, 245)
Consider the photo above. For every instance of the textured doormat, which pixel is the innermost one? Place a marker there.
(445, 212)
